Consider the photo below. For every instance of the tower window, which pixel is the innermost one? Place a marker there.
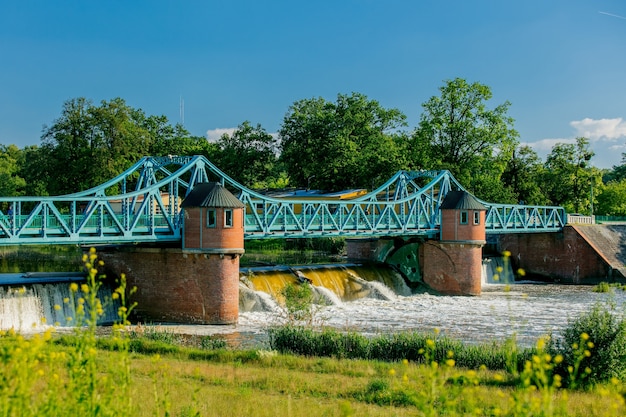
(476, 217)
(228, 218)
(464, 217)
(210, 218)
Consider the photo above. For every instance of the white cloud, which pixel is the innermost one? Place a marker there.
(214, 134)
(544, 146)
(601, 129)
(607, 138)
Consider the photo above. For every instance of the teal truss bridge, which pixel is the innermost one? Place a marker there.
(142, 205)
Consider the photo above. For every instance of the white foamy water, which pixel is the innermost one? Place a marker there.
(527, 311)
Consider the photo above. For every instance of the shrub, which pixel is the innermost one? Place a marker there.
(602, 287)
(396, 347)
(298, 302)
(593, 347)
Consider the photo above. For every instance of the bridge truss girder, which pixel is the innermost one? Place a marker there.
(142, 205)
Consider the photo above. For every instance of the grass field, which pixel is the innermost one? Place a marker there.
(152, 374)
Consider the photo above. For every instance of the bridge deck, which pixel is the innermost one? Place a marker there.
(142, 205)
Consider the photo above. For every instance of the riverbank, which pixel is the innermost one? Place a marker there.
(154, 377)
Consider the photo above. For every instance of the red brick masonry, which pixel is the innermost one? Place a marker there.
(452, 268)
(173, 286)
(565, 256)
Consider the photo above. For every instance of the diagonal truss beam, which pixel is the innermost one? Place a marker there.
(142, 205)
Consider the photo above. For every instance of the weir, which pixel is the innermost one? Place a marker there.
(36, 303)
(347, 282)
(28, 300)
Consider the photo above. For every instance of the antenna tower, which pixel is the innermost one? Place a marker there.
(182, 111)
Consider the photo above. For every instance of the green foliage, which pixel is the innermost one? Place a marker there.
(248, 155)
(611, 199)
(602, 287)
(88, 144)
(617, 174)
(351, 143)
(568, 175)
(38, 379)
(593, 347)
(298, 302)
(393, 347)
(381, 392)
(11, 159)
(462, 135)
(212, 343)
(523, 175)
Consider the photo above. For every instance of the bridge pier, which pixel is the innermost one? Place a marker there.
(451, 265)
(453, 268)
(200, 282)
(178, 286)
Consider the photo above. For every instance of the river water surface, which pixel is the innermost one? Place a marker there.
(526, 311)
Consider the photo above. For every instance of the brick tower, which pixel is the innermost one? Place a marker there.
(453, 265)
(213, 232)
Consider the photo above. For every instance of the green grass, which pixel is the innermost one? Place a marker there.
(181, 380)
(604, 287)
(308, 371)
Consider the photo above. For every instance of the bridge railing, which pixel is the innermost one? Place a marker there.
(523, 219)
(298, 218)
(147, 209)
(87, 220)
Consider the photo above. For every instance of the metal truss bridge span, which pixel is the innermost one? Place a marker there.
(142, 205)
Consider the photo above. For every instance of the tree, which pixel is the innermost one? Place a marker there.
(33, 170)
(88, 144)
(351, 143)
(166, 139)
(611, 199)
(248, 155)
(618, 173)
(523, 176)
(459, 133)
(568, 174)
(11, 159)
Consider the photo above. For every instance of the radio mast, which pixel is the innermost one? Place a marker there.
(182, 111)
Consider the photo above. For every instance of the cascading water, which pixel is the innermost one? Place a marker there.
(332, 284)
(495, 270)
(32, 307)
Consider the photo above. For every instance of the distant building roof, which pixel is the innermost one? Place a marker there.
(316, 194)
(211, 194)
(461, 200)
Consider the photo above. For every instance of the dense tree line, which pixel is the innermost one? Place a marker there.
(352, 142)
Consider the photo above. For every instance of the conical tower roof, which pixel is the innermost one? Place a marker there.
(211, 194)
(461, 200)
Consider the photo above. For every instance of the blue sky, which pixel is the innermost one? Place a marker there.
(561, 64)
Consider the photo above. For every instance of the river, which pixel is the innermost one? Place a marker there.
(366, 299)
(524, 310)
